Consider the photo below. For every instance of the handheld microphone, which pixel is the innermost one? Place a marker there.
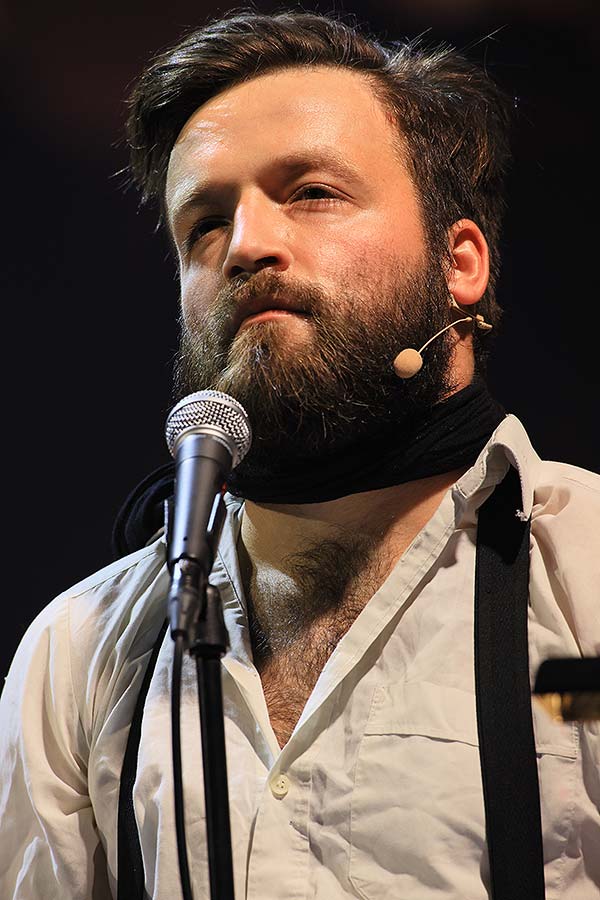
(208, 434)
(410, 361)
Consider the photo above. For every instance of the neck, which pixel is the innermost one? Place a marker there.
(388, 518)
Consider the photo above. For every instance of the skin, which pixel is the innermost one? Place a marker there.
(359, 216)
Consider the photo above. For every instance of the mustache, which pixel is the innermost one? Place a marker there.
(245, 290)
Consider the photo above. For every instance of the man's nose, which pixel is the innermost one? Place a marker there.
(258, 239)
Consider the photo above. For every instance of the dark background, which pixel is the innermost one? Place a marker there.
(90, 298)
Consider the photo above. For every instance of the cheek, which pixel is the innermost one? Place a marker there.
(359, 263)
(370, 246)
(334, 254)
(198, 290)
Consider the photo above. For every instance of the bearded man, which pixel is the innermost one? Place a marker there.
(331, 202)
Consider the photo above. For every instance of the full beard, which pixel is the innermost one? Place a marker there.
(315, 388)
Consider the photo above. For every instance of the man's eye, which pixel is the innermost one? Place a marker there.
(203, 227)
(315, 192)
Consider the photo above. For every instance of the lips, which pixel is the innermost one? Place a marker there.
(260, 309)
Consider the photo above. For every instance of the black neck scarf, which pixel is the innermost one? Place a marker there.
(449, 436)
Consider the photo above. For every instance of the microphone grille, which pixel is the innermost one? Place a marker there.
(213, 410)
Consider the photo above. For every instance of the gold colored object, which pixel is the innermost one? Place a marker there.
(577, 706)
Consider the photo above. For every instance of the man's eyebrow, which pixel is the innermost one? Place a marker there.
(201, 194)
(292, 165)
(321, 158)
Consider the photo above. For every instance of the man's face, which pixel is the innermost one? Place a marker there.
(304, 262)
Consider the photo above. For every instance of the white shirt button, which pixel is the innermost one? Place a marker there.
(280, 785)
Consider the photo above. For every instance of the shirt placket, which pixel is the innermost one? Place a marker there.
(279, 851)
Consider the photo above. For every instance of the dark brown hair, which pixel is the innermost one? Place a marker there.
(453, 120)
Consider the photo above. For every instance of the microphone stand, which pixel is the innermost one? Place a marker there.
(208, 648)
(207, 644)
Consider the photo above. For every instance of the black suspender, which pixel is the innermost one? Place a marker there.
(504, 718)
(130, 867)
(503, 696)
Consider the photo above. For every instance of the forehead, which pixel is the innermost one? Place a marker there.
(289, 111)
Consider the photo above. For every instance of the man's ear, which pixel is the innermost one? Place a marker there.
(470, 269)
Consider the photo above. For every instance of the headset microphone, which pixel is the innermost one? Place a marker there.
(409, 361)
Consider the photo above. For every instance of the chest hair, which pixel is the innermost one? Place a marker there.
(297, 619)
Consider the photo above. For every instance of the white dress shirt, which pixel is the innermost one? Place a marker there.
(378, 793)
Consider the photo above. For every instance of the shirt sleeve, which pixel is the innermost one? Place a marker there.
(566, 527)
(49, 843)
(566, 566)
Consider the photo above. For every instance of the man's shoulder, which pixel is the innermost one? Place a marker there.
(98, 629)
(563, 501)
(108, 609)
(565, 521)
(565, 551)
(81, 661)
(568, 489)
(120, 601)
(108, 592)
(131, 571)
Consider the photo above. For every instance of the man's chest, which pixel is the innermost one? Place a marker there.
(378, 791)
(290, 671)
(294, 633)
(289, 676)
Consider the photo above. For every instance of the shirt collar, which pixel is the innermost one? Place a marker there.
(508, 445)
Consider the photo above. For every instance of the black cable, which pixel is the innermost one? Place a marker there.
(184, 872)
